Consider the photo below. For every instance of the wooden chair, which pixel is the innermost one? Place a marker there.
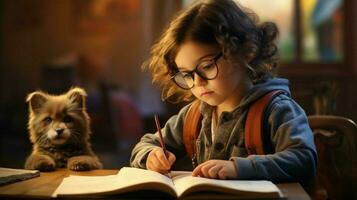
(336, 143)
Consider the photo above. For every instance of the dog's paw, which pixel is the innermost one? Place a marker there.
(79, 166)
(45, 166)
(83, 163)
(40, 162)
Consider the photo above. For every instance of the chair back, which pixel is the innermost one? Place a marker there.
(336, 144)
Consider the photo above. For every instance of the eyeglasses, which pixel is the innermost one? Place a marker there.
(207, 70)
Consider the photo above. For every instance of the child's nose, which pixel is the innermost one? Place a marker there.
(198, 80)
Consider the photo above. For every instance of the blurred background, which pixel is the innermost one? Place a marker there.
(100, 45)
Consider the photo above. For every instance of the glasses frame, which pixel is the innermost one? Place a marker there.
(214, 61)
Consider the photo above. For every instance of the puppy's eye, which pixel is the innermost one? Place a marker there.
(47, 120)
(67, 119)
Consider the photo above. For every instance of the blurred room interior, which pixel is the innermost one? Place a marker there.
(101, 45)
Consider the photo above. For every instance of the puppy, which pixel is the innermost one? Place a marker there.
(59, 129)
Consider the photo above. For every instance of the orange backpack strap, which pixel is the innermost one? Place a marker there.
(254, 138)
(191, 127)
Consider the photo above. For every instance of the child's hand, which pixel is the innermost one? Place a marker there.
(217, 169)
(158, 162)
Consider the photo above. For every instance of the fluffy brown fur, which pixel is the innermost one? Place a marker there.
(59, 128)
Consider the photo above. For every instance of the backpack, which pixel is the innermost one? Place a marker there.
(255, 141)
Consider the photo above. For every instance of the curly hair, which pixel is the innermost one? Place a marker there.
(214, 22)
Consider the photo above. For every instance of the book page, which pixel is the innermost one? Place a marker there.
(185, 183)
(5, 172)
(128, 179)
(10, 175)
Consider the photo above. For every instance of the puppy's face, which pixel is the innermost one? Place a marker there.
(58, 119)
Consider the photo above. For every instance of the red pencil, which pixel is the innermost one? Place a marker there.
(163, 146)
(160, 134)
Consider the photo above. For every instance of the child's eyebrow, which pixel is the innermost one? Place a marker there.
(197, 62)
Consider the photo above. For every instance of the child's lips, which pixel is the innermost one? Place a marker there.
(206, 93)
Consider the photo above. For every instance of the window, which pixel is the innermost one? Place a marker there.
(322, 30)
(319, 22)
(280, 12)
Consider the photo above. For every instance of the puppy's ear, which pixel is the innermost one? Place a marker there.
(36, 100)
(77, 96)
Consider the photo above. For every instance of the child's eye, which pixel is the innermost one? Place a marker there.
(206, 66)
(67, 119)
(47, 120)
(187, 76)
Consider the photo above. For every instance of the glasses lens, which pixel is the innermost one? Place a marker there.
(183, 80)
(208, 70)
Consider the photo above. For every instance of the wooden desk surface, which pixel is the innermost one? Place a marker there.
(42, 187)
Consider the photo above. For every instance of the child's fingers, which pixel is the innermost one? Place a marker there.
(152, 165)
(205, 170)
(216, 169)
(150, 162)
(228, 171)
(197, 170)
(161, 157)
(213, 171)
(157, 160)
(171, 158)
(153, 161)
(200, 170)
(223, 173)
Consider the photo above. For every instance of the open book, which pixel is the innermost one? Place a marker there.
(180, 185)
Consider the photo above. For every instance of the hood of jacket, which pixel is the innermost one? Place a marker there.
(262, 87)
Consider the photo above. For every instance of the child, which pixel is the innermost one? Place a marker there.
(217, 53)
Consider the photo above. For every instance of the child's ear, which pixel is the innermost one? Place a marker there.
(36, 100)
(77, 96)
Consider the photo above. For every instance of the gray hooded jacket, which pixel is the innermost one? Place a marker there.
(295, 155)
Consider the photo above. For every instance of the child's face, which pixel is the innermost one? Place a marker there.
(230, 83)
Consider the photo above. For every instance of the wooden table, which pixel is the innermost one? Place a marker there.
(42, 187)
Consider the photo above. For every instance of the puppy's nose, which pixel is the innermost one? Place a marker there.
(59, 131)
